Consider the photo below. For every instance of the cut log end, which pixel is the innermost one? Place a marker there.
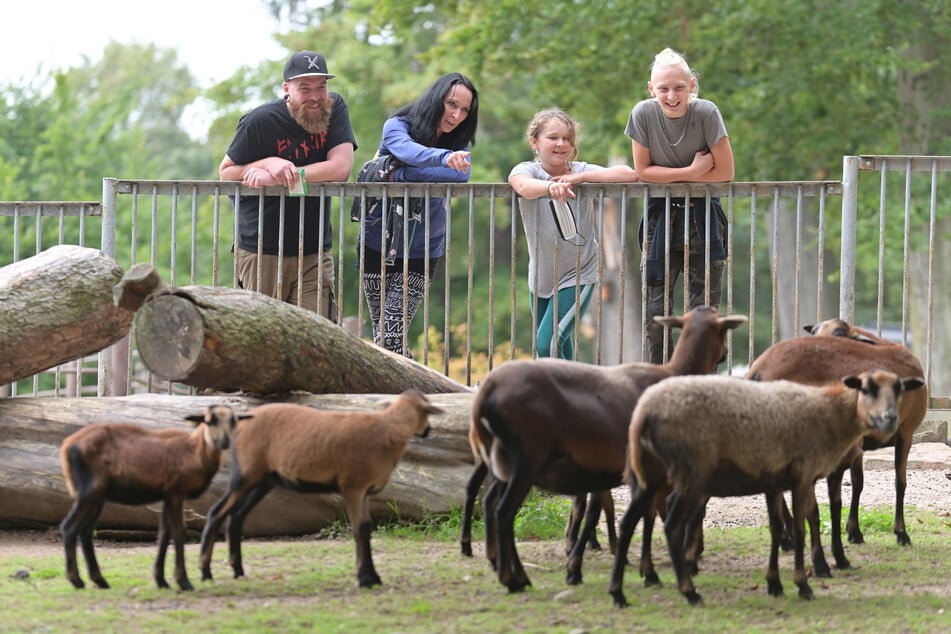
(169, 333)
(136, 285)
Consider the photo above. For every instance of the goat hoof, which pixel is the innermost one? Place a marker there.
(693, 598)
(369, 581)
(467, 550)
(774, 588)
(101, 582)
(903, 539)
(858, 538)
(518, 586)
(573, 578)
(185, 585)
(842, 563)
(821, 569)
(620, 601)
(651, 579)
(206, 575)
(805, 592)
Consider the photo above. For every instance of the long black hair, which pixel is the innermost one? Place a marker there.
(425, 114)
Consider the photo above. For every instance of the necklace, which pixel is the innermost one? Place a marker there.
(663, 122)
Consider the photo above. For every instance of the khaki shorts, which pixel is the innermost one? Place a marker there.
(315, 291)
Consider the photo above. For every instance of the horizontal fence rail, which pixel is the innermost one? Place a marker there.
(797, 252)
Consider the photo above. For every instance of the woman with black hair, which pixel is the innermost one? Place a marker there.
(429, 140)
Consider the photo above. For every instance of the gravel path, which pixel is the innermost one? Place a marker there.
(929, 486)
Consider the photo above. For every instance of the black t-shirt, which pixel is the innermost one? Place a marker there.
(269, 130)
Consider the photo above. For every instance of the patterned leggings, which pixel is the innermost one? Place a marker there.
(391, 301)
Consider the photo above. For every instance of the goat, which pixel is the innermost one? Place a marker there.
(562, 426)
(841, 328)
(819, 360)
(720, 436)
(128, 464)
(315, 451)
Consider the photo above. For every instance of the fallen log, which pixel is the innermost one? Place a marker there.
(55, 307)
(227, 339)
(430, 478)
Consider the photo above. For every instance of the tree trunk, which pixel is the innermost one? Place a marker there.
(430, 478)
(925, 100)
(57, 306)
(230, 339)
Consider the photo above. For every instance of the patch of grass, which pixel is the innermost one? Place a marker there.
(308, 585)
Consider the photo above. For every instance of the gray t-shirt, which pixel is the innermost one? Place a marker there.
(648, 126)
(581, 252)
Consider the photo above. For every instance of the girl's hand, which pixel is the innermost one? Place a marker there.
(560, 190)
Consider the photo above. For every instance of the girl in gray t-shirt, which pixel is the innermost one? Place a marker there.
(565, 267)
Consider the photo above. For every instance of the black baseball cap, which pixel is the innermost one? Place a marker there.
(306, 64)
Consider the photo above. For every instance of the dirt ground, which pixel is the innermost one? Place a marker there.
(927, 488)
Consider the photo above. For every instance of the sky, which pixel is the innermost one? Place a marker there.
(212, 37)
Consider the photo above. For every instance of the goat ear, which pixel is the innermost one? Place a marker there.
(810, 329)
(912, 382)
(860, 337)
(195, 418)
(673, 322)
(733, 321)
(432, 409)
(853, 382)
(244, 416)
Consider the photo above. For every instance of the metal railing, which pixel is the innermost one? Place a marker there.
(794, 257)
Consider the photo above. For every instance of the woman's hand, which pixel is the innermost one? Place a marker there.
(459, 161)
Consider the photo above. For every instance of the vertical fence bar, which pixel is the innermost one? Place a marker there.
(850, 192)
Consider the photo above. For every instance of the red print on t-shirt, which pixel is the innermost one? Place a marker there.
(311, 143)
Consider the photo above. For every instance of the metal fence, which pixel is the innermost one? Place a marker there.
(798, 252)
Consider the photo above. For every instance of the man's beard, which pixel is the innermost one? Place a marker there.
(313, 122)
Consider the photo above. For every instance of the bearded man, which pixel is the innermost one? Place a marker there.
(303, 138)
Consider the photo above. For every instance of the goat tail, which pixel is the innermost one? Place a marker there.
(71, 461)
(636, 447)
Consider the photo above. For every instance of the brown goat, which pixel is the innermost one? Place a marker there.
(128, 464)
(840, 328)
(719, 436)
(315, 451)
(820, 360)
(562, 426)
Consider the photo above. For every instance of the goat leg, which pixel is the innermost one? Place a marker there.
(576, 556)
(902, 448)
(640, 500)
(804, 500)
(216, 515)
(510, 570)
(358, 512)
(69, 528)
(857, 474)
(472, 491)
(834, 482)
(164, 535)
(775, 507)
(680, 510)
(176, 521)
(490, 505)
(236, 524)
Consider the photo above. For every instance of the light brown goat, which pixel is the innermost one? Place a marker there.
(128, 464)
(823, 360)
(562, 426)
(720, 436)
(315, 451)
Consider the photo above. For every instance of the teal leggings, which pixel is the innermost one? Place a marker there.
(568, 313)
